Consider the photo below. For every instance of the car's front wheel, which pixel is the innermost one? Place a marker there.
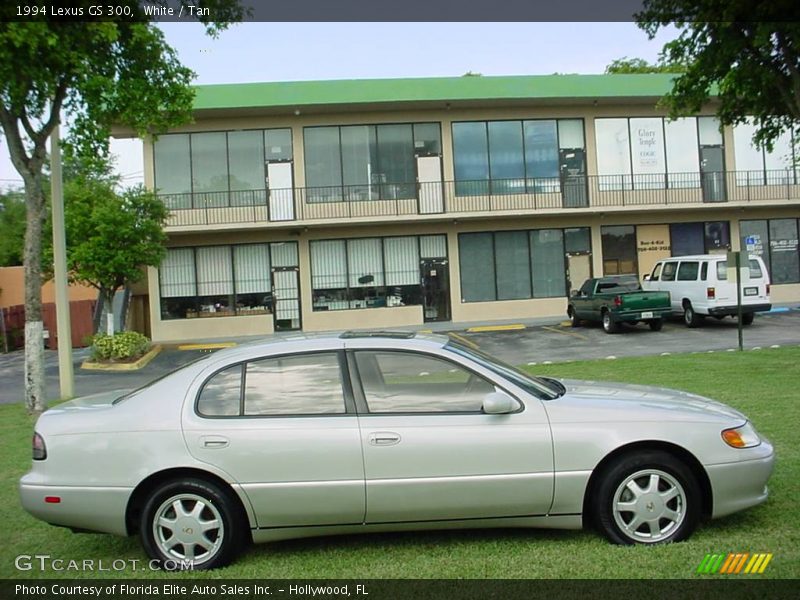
(647, 498)
(574, 321)
(191, 524)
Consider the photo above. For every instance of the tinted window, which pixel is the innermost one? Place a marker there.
(656, 272)
(704, 271)
(306, 384)
(688, 271)
(668, 274)
(222, 393)
(722, 270)
(399, 382)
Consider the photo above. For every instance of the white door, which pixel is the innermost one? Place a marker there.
(281, 191)
(429, 452)
(429, 176)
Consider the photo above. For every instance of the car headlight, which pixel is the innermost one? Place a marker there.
(744, 436)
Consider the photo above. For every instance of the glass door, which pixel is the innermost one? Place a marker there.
(573, 177)
(286, 298)
(712, 173)
(435, 289)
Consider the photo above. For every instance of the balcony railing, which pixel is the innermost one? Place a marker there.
(566, 194)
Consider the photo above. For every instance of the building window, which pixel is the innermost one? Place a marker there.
(217, 169)
(515, 265)
(759, 166)
(370, 272)
(514, 157)
(220, 281)
(776, 242)
(366, 162)
(699, 238)
(651, 152)
(619, 250)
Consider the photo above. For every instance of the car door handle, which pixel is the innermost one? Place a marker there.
(384, 438)
(214, 441)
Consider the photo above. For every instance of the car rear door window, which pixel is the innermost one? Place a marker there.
(407, 382)
(688, 271)
(303, 384)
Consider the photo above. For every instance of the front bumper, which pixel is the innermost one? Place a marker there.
(740, 485)
(99, 509)
(732, 311)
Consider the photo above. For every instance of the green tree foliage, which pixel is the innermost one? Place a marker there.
(627, 65)
(111, 237)
(100, 73)
(746, 52)
(12, 228)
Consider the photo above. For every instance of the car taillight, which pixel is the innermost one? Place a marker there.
(39, 449)
(617, 300)
(711, 293)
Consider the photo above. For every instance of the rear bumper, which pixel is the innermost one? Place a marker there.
(740, 485)
(730, 311)
(99, 509)
(636, 315)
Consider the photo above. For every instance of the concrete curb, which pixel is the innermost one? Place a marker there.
(209, 346)
(134, 366)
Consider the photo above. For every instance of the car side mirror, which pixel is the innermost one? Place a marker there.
(646, 277)
(499, 403)
(574, 293)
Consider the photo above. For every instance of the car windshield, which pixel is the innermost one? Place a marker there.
(539, 387)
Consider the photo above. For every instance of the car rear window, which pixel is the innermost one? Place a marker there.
(722, 270)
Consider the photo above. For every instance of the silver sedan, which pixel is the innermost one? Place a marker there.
(384, 431)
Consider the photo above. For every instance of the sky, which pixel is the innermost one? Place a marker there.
(253, 52)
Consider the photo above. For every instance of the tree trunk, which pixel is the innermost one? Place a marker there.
(108, 301)
(35, 401)
(99, 309)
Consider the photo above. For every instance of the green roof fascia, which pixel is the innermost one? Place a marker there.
(445, 89)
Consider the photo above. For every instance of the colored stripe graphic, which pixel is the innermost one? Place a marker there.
(734, 563)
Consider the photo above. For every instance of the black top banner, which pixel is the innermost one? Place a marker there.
(327, 10)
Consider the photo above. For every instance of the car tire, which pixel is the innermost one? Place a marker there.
(690, 317)
(609, 325)
(574, 321)
(210, 530)
(747, 318)
(648, 497)
(656, 324)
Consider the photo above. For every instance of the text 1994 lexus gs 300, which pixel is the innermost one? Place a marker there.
(317, 435)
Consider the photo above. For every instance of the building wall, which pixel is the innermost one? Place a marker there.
(12, 289)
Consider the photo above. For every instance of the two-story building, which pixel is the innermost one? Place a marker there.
(377, 203)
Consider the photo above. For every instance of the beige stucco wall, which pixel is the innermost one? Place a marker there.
(12, 289)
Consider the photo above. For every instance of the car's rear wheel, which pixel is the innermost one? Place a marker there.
(573, 317)
(609, 325)
(690, 317)
(191, 522)
(747, 318)
(647, 498)
(656, 324)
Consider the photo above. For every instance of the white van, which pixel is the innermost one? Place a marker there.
(699, 287)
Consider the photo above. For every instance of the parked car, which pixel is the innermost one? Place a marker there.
(358, 432)
(615, 300)
(700, 287)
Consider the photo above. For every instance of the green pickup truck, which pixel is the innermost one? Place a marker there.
(613, 300)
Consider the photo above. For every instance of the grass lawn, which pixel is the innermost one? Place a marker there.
(764, 384)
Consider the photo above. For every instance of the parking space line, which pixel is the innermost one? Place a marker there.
(463, 340)
(572, 333)
(485, 328)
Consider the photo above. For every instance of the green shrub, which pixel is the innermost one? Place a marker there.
(125, 345)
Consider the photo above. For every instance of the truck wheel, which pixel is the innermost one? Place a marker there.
(609, 325)
(573, 317)
(747, 318)
(656, 324)
(691, 318)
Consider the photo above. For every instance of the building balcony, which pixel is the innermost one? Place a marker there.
(474, 199)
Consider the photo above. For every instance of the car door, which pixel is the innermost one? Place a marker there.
(431, 454)
(284, 428)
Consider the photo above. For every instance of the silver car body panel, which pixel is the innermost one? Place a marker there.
(316, 475)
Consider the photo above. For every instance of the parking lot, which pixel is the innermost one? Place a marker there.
(555, 341)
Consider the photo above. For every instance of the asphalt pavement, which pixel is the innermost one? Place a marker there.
(540, 341)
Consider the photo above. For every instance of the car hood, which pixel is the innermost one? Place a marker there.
(632, 402)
